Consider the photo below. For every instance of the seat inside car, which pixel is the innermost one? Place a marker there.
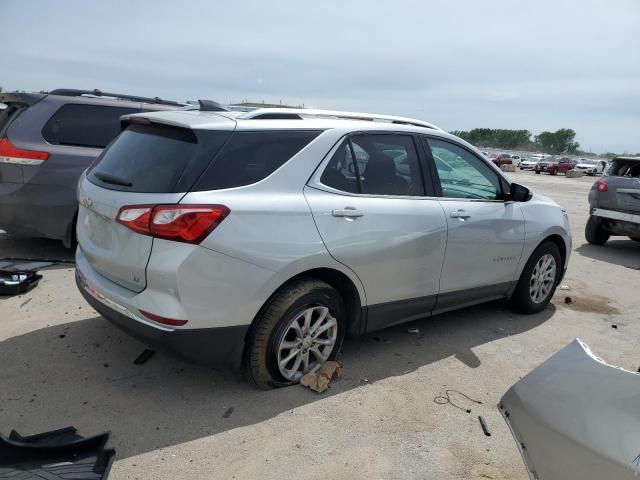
(380, 176)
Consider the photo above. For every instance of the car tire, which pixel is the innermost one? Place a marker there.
(274, 326)
(594, 233)
(527, 297)
(555, 172)
(538, 172)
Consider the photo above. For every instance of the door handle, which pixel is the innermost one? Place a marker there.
(461, 214)
(347, 212)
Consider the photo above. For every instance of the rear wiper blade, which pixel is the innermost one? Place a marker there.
(108, 178)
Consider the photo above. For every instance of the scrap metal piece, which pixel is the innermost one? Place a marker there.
(575, 417)
(484, 426)
(57, 454)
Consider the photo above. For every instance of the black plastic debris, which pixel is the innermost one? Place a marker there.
(228, 412)
(59, 454)
(143, 357)
(484, 426)
(568, 300)
(19, 275)
(613, 325)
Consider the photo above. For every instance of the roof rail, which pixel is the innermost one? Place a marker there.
(296, 113)
(71, 92)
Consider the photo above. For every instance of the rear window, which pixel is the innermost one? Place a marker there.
(85, 125)
(156, 159)
(249, 157)
(624, 168)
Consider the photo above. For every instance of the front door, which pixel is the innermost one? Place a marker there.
(485, 232)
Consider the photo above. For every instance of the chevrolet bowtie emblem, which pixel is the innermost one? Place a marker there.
(86, 202)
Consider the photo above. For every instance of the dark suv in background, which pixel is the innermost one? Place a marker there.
(46, 141)
(615, 202)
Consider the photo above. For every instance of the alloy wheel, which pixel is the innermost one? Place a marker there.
(542, 278)
(307, 342)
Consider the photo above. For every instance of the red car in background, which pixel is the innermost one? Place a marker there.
(502, 159)
(554, 166)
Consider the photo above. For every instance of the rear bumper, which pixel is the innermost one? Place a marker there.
(219, 346)
(614, 215)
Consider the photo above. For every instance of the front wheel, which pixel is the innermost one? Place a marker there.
(594, 233)
(300, 329)
(538, 172)
(538, 280)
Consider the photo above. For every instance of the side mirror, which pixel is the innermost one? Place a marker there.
(520, 193)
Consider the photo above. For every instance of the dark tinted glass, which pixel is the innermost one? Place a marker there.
(249, 157)
(340, 172)
(85, 125)
(156, 159)
(387, 164)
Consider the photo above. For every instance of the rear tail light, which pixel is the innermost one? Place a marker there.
(11, 154)
(164, 320)
(181, 223)
(601, 185)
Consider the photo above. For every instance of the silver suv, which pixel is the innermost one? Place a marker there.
(260, 239)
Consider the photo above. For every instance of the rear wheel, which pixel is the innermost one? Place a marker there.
(300, 328)
(594, 233)
(538, 280)
(538, 172)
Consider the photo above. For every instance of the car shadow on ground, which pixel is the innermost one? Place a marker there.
(16, 246)
(619, 252)
(82, 374)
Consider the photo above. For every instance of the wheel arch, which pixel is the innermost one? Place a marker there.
(340, 281)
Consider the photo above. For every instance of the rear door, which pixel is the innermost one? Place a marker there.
(375, 216)
(146, 165)
(485, 233)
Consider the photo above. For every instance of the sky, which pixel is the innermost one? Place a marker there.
(461, 64)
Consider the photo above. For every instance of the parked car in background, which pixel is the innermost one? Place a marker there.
(46, 141)
(615, 202)
(516, 159)
(591, 166)
(502, 159)
(528, 163)
(555, 166)
(199, 257)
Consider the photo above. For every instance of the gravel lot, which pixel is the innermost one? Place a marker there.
(62, 364)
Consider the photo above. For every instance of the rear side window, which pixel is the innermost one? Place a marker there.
(385, 164)
(85, 125)
(249, 157)
(624, 168)
(156, 159)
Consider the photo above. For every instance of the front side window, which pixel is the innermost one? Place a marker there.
(462, 174)
(385, 164)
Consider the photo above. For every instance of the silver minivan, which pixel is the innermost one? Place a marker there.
(260, 239)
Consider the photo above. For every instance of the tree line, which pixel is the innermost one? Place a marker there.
(558, 142)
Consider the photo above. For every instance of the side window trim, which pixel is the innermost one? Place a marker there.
(355, 164)
(501, 179)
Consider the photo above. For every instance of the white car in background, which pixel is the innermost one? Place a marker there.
(516, 159)
(528, 163)
(591, 166)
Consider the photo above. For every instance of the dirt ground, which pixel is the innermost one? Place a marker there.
(62, 364)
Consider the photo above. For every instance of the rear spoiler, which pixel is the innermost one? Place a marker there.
(21, 98)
